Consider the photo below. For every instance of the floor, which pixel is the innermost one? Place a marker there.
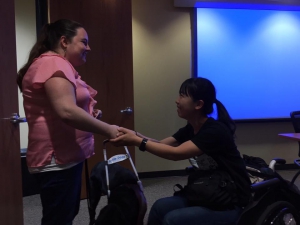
(154, 189)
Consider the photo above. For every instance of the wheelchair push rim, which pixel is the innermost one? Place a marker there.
(280, 213)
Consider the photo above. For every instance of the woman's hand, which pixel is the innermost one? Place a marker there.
(113, 131)
(126, 137)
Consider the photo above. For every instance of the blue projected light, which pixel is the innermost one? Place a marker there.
(230, 5)
(252, 57)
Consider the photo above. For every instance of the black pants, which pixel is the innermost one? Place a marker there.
(60, 195)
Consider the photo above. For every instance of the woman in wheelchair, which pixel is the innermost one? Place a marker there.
(210, 146)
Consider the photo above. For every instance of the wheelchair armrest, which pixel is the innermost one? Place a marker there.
(276, 161)
(265, 184)
(279, 161)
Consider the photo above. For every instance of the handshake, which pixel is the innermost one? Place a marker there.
(124, 137)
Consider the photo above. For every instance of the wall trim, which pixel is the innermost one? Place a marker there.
(177, 173)
(289, 166)
(167, 173)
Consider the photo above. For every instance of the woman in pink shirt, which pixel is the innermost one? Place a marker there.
(59, 108)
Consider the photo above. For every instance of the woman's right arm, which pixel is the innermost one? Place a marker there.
(61, 94)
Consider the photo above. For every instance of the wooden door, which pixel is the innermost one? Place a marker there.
(11, 205)
(109, 66)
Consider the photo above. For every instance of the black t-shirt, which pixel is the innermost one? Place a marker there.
(215, 140)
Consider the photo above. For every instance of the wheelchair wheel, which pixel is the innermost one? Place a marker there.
(279, 213)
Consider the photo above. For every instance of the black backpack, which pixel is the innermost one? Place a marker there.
(213, 189)
(126, 205)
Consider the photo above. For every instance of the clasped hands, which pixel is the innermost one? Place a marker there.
(125, 137)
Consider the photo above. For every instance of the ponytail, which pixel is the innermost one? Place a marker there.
(38, 49)
(224, 117)
(48, 41)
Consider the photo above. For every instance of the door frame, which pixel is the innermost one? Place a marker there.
(11, 201)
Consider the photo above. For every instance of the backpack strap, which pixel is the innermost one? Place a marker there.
(179, 186)
(178, 192)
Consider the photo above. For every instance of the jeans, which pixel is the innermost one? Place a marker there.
(60, 195)
(176, 211)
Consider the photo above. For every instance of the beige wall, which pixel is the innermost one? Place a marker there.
(25, 38)
(162, 60)
(260, 139)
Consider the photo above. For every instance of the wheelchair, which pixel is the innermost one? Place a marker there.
(275, 201)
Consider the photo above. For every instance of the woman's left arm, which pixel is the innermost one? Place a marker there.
(184, 151)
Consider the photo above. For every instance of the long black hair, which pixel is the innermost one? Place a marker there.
(203, 89)
(48, 41)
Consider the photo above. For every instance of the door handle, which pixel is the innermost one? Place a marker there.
(15, 118)
(128, 110)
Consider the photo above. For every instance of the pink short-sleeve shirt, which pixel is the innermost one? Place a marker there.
(48, 135)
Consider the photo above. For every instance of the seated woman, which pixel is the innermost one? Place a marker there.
(208, 143)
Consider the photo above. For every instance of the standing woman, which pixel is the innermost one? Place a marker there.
(208, 143)
(59, 109)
